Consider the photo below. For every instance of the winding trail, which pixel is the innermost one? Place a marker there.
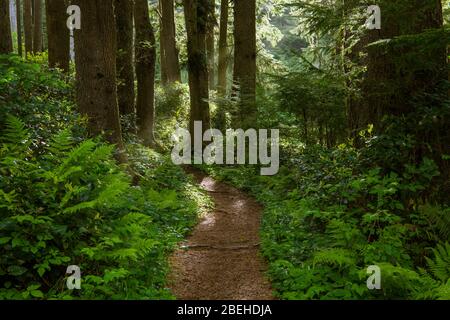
(220, 260)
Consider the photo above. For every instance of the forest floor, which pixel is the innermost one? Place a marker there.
(220, 260)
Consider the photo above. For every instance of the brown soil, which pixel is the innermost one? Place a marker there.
(220, 260)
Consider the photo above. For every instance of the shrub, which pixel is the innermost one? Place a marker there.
(327, 217)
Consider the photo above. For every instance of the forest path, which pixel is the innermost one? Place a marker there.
(220, 260)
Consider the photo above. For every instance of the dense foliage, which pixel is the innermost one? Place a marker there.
(327, 218)
(365, 155)
(350, 197)
(64, 200)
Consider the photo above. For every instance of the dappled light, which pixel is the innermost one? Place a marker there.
(224, 150)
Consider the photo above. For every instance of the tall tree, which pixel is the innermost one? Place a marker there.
(210, 46)
(37, 31)
(125, 68)
(223, 48)
(6, 45)
(169, 52)
(95, 60)
(162, 57)
(196, 15)
(145, 72)
(28, 25)
(58, 34)
(19, 26)
(245, 59)
(392, 86)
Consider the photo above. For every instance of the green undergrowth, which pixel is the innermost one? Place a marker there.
(65, 201)
(327, 219)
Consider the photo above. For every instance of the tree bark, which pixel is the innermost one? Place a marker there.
(125, 68)
(6, 45)
(245, 60)
(169, 52)
(210, 47)
(28, 25)
(19, 27)
(95, 60)
(145, 73)
(223, 48)
(162, 57)
(58, 35)
(37, 31)
(389, 86)
(196, 17)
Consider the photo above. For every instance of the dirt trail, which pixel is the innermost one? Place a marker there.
(220, 260)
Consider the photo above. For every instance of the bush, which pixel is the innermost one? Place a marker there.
(327, 218)
(43, 100)
(72, 205)
(64, 200)
(172, 110)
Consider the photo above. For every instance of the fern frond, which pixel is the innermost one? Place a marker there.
(16, 136)
(116, 187)
(335, 256)
(440, 265)
(61, 143)
(75, 156)
(438, 219)
(443, 292)
(102, 153)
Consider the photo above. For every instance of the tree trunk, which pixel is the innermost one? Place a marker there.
(145, 72)
(223, 48)
(397, 89)
(196, 12)
(245, 60)
(210, 47)
(162, 57)
(169, 51)
(125, 69)
(389, 85)
(95, 60)
(19, 27)
(58, 35)
(6, 45)
(28, 25)
(37, 18)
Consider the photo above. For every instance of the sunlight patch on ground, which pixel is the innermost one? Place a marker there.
(208, 184)
(239, 205)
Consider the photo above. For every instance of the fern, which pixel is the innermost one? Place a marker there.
(335, 256)
(15, 137)
(78, 154)
(61, 143)
(438, 219)
(101, 153)
(398, 281)
(440, 265)
(443, 292)
(345, 235)
(116, 186)
(15, 132)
